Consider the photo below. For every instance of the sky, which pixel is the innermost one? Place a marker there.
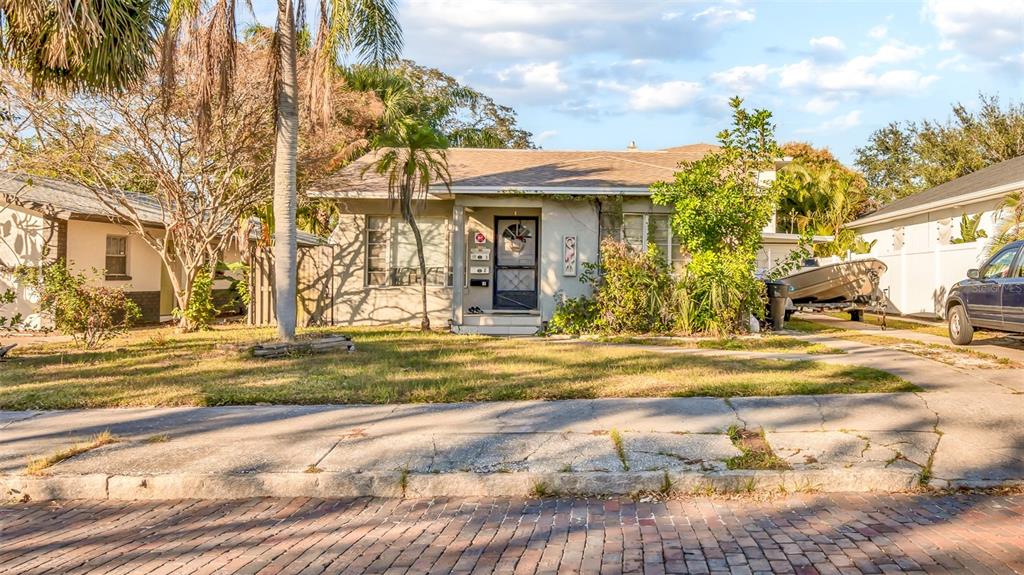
(598, 74)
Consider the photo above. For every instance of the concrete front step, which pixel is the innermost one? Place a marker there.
(500, 323)
(496, 329)
(459, 484)
(508, 319)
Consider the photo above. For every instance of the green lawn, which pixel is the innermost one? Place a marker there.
(163, 368)
(762, 343)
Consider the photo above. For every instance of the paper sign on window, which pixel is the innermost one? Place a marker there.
(569, 255)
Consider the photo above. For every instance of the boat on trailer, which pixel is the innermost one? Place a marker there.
(852, 282)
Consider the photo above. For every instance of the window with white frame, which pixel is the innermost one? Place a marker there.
(638, 230)
(391, 258)
(116, 264)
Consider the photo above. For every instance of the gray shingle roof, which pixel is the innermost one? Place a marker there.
(501, 169)
(67, 199)
(1004, 173)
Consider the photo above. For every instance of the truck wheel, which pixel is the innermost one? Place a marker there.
(960, 330)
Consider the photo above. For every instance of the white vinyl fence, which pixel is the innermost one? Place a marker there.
(917, 282)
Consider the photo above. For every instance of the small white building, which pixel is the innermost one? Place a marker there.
(918, 237)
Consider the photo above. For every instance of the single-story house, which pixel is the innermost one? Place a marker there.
(918, 237)
(506, 240)
(43, 220)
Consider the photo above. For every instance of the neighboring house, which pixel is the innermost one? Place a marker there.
(44, 220)
(507, 241)
(918, 237)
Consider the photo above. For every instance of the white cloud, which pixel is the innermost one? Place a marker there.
(838, 124)
(462, 32)
(538, 78)
(716, 16)
(828, 43)
(878, 32)
(521, 44)
(544, 136)
(991, 30)
(742, 78)
(535, 83)
(860, 74)
(665, 96)
(820, 105)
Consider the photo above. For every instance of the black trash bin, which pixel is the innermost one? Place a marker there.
(778, 293)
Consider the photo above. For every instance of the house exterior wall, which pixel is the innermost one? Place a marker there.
(87, 252)
(26, 238)
(580, 218)
(355, 303)
(922, 261)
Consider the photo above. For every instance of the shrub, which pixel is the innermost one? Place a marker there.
(200, 311)
(634, 290)
(91, 315)
(574, 316)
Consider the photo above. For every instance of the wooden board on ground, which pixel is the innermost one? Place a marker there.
(311, 346)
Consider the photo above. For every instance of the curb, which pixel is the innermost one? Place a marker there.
(426, 485)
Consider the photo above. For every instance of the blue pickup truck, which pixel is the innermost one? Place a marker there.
(992, 297)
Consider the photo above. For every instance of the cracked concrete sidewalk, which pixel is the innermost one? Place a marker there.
(966, 428)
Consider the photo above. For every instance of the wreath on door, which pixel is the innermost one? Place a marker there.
(515, 237)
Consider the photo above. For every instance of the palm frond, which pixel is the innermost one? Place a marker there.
(96, 46)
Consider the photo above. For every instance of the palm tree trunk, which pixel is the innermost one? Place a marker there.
(285, 151)
(409, 219)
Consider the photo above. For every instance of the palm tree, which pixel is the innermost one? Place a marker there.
(82, 46)
(107, 45)
(412, 157)
(1009, 221)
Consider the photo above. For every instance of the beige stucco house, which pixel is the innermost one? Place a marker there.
(43, 220)
(506, 241)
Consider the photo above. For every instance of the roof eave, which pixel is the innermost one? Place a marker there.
(973, 197)
(552, 190)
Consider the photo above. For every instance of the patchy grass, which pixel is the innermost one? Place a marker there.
(891, 322)
(761, 343)
(756, 452)
(395, 366)
(948, 354)
(159, 438)
(620, 448)
(39, 465)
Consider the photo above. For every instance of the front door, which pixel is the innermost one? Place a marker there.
(515, 263)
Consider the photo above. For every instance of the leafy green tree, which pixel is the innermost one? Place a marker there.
(721, 203)
(819, 196)
(412, 157)
(466, 117)
(1010, 226)
(903, 158)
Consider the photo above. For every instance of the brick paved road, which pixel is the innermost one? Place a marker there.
(803, 534)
